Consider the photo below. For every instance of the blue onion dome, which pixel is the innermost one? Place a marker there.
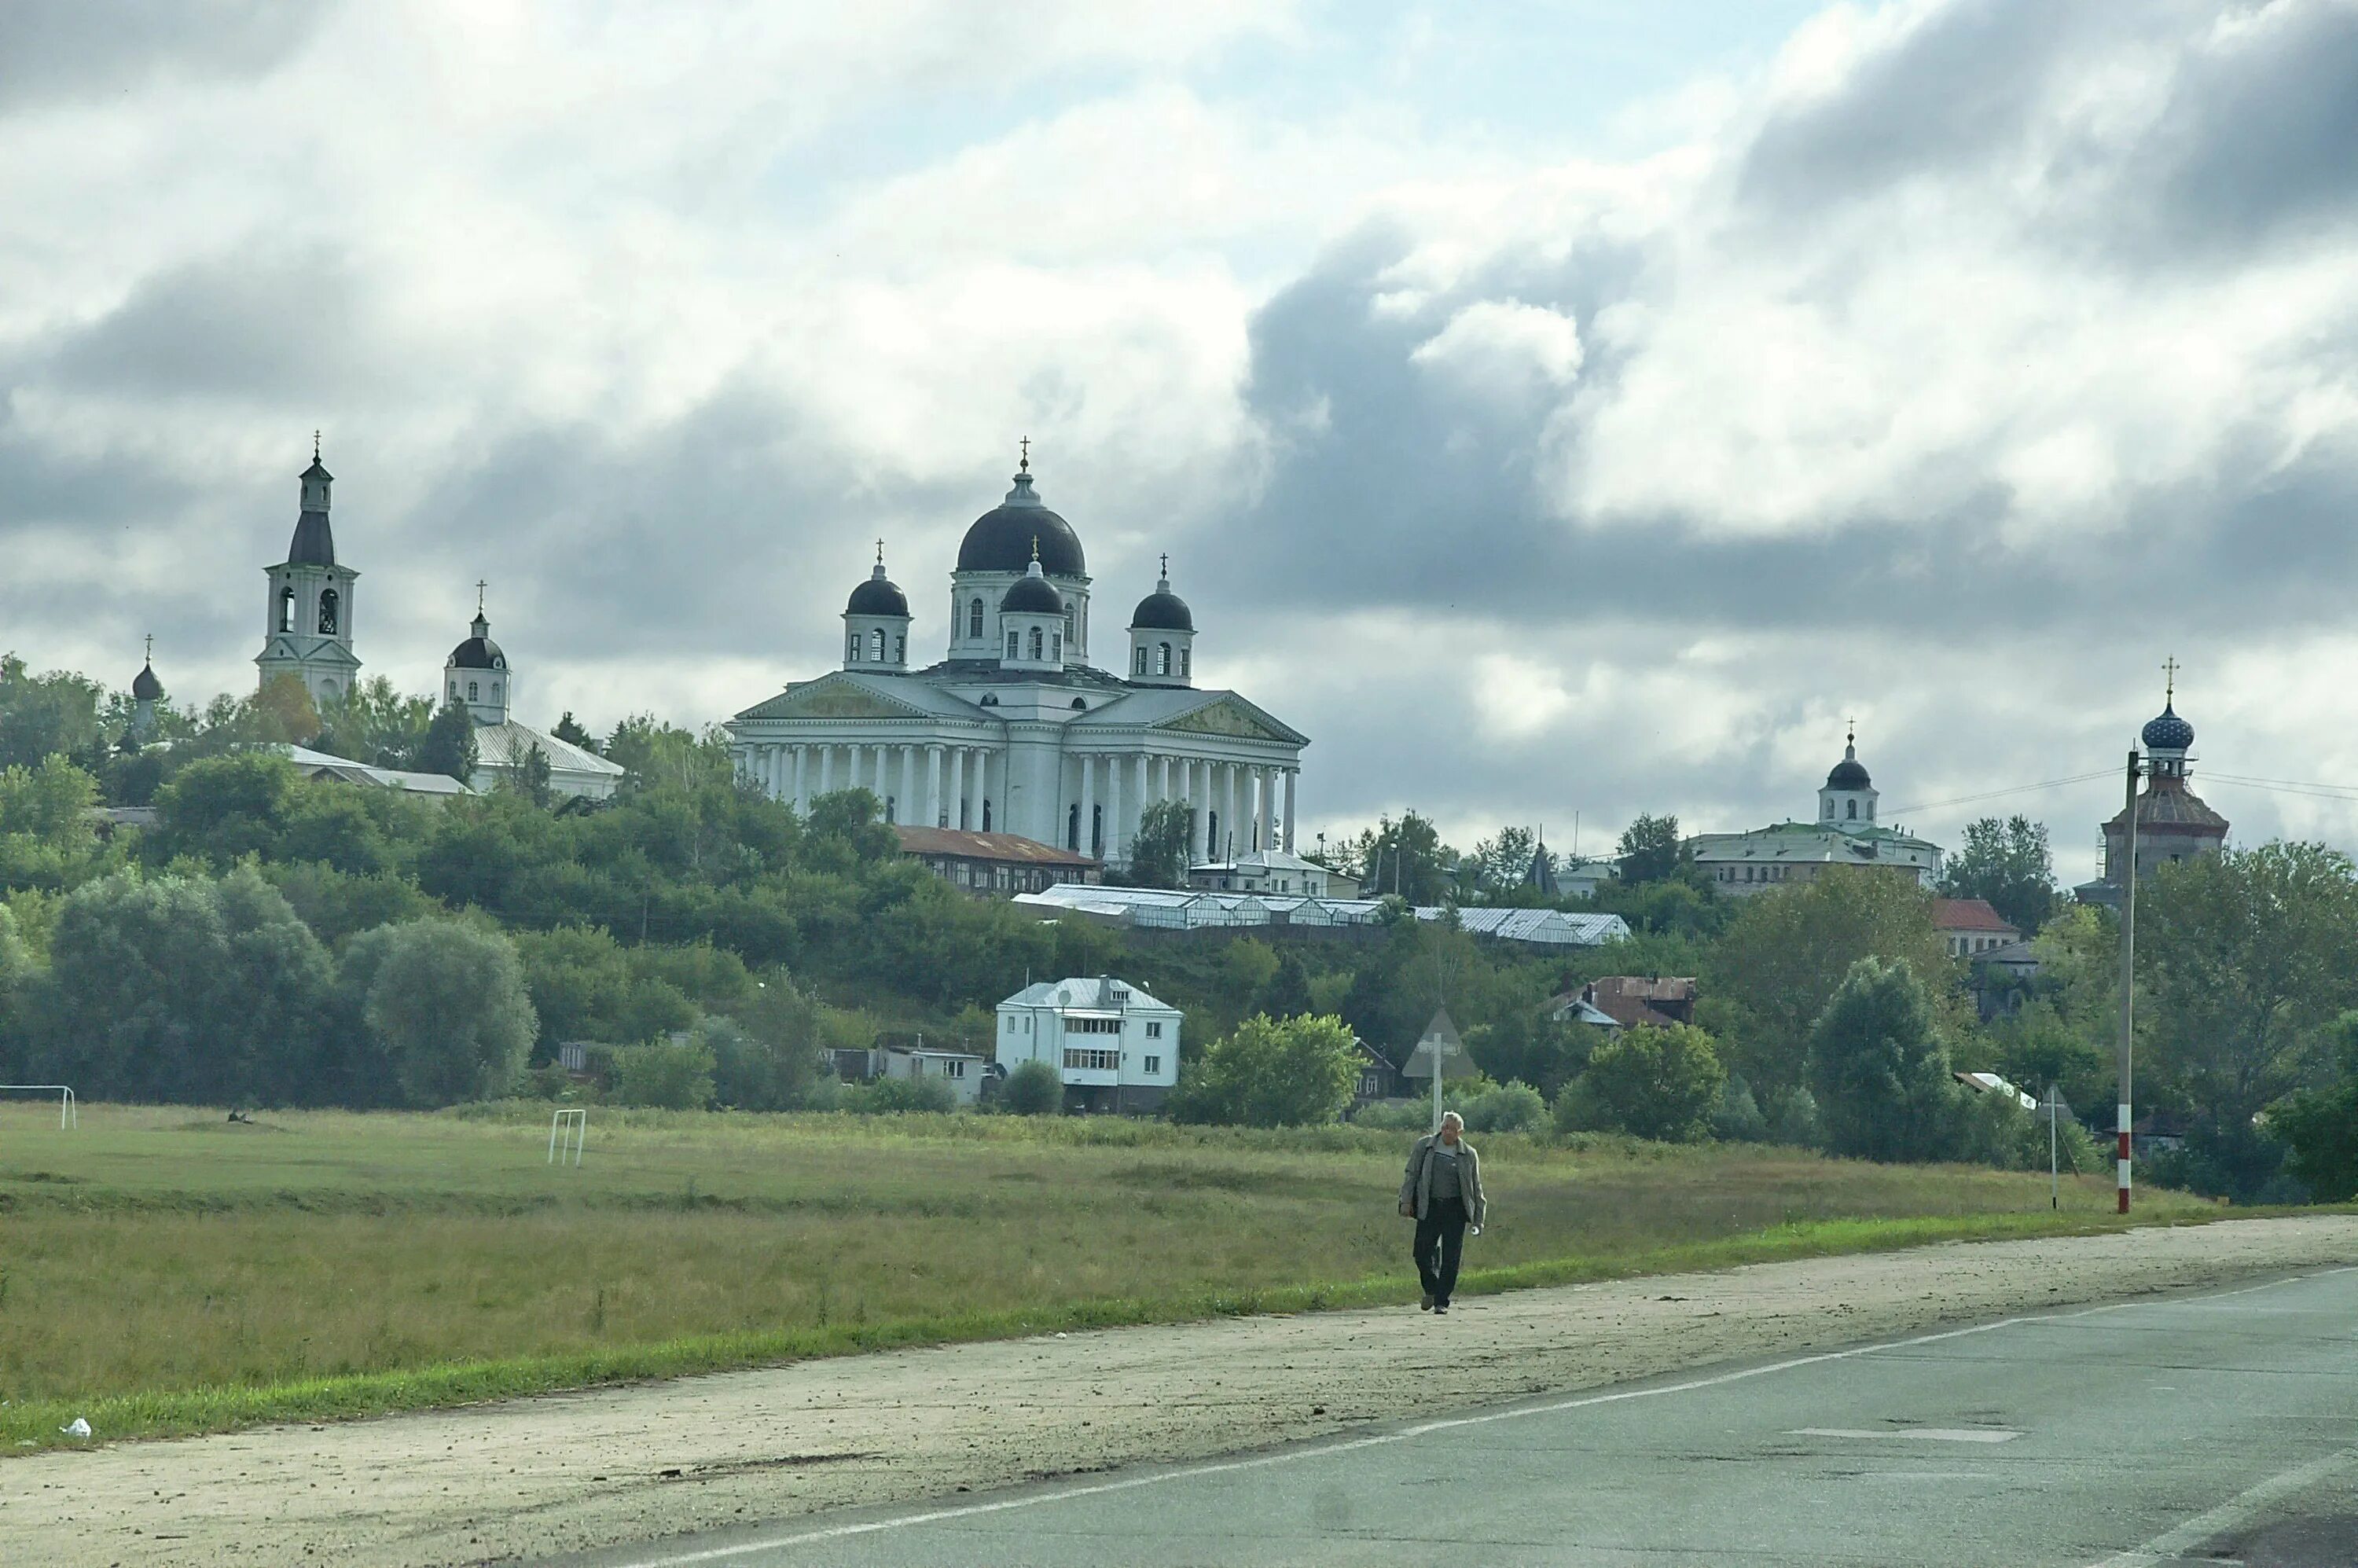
(2167, 732)
(1163, 610)
(1006, 538)
(1032, 595)
(878, 596)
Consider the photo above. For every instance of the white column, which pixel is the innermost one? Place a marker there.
(907, 794)
(1265, 808)
(1232, 794)
(1200, 778)
(802, 779)
(826, 770)
(1138, 808)
(934, 787)
(1113, 810)
(1292, 775)
(958, 786)
(1088, 804)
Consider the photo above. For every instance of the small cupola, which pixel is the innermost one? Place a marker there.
(1162, 637)
(876, 624)
(476, 673)
(2167, 738)
(1847, 800)
(1031, 622)
(146, 691)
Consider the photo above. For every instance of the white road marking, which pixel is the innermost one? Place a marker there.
(1421, 1429)
(2170, 1545)
(1921, 1433)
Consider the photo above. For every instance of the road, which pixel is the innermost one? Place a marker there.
(2211, 1428)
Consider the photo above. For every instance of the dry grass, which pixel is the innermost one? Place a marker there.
(172, 1272)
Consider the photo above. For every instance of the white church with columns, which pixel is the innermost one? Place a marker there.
(1016, 731)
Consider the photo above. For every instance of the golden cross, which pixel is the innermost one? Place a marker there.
(2170, 670)
(480, 585)
(1851, 739)
(151, 647)
(1035, 547)
(1026, 444)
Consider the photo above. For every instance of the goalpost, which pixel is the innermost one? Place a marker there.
(568, 1131)
(69, 1113)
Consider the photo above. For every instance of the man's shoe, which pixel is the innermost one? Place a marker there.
(1428, 1304)
(1440, 1307)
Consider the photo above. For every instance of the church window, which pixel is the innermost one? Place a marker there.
(1056, 647)
(901, 650)
(986, 816)
(1037, 637)
(876, 643)
(286, 610)
(1069, 623)
(454, 691)
(1185, 659)
(1141, 658)
(1096, 830)
(1073, 827)
(1014, 644)
(471, 691)
(495, 691)
(329, 604)
(974, 618)
(1854, 811)
(851, 651)
(1163, 660)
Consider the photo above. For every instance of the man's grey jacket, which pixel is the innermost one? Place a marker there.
(1416, 1187)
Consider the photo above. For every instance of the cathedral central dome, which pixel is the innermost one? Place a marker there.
(1001, 540)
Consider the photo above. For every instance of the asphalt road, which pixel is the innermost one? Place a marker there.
(2220, 1427)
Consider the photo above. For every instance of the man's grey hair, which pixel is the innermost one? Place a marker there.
(1449, 1116)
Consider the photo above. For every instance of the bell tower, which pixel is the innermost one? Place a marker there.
(307, 628)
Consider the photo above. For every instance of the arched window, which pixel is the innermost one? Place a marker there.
(974, 618)
(454, 691)
(1186, 658)
(471, 691)
(1830, 811)
(495, 691)
(286, 610)
(1037, 637)
(1014, 644)
(1073, 827)
(1163, 659)
(1854, 811)
(1097, 831)
(329, 604)
(1141, 658)
(876, 644)
(1069, 623)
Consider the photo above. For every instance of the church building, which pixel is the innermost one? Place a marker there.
(1845, 833)
(1016, 729)
(477, 676)
(2173, 823)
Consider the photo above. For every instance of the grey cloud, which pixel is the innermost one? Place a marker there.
(253, 325)
(53, 51)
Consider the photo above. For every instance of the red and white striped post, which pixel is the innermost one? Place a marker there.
(2128, 976)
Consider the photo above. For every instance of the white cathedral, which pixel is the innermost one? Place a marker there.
(1015, 730)
(307, 635)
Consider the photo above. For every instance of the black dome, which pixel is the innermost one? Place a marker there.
(876, 596)
(145, 687)
(1001, 540)
(478, 651)
(2167, 732)
(1032, 595)
(1163, 610)
(1849, 774)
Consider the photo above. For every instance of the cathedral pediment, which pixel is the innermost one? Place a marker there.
(1232, 716)
(833, 697)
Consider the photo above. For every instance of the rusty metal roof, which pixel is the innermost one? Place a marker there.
(1009, 846)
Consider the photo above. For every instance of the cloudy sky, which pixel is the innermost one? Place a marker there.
(1550, 408)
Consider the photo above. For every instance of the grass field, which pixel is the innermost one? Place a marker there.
(165, 1270)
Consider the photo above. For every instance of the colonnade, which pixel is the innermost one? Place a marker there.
(1234, 807)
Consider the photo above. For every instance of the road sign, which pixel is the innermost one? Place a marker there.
(1440, 1041)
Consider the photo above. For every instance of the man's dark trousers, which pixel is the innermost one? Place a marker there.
(1440, 1242)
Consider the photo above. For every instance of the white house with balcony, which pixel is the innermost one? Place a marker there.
(1115, 1047)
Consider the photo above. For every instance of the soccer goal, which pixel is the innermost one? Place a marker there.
(568, 1131)
(69, 1113)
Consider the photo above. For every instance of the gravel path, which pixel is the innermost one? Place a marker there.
(535, 1476)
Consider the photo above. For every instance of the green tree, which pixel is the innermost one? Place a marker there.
(448, 747)
(281, 714)
(569, 729)
(1298, 1073)
(1651, 850)
(376, 724)
(2247, 956)
(1880, 1071)
(847, 831)
(2318, 1127)
(47, 838)
(46, 716)
(1658, 1083)
(533, 777)
(1033, 1088)
(2009, 864)
(1158, 855)
(1287, 994)
(1787, 950)
(670, 1075)
(1505, 857)
(222, 808)
(448, 1003)
(1408, 859)
(773, 1053)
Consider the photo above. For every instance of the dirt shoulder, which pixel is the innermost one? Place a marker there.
(535, 1476)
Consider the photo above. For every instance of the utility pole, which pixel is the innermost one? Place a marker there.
(2054, 1182)
(2129, 973)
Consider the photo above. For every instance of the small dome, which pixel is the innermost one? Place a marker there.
(1163, 610)
(1032, 595)
(1850, 772)
(145, 687)
(1007, 537)
(878, 596)
(478, 651)
(2167, 732)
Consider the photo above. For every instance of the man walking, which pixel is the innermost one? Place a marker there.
(1443, 1190)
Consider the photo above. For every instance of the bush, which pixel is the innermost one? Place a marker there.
(1738, 1118)
(1266, 1074)
(445, 1002)
(1033, 1088)
(1998, 1131)
(1657, 1083)
(1879, 1069)
(669, 1077)
(1505, 1107)
(891, 1095)
(1793, 1120)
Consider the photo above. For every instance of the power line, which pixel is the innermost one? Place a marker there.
(1996, 794)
